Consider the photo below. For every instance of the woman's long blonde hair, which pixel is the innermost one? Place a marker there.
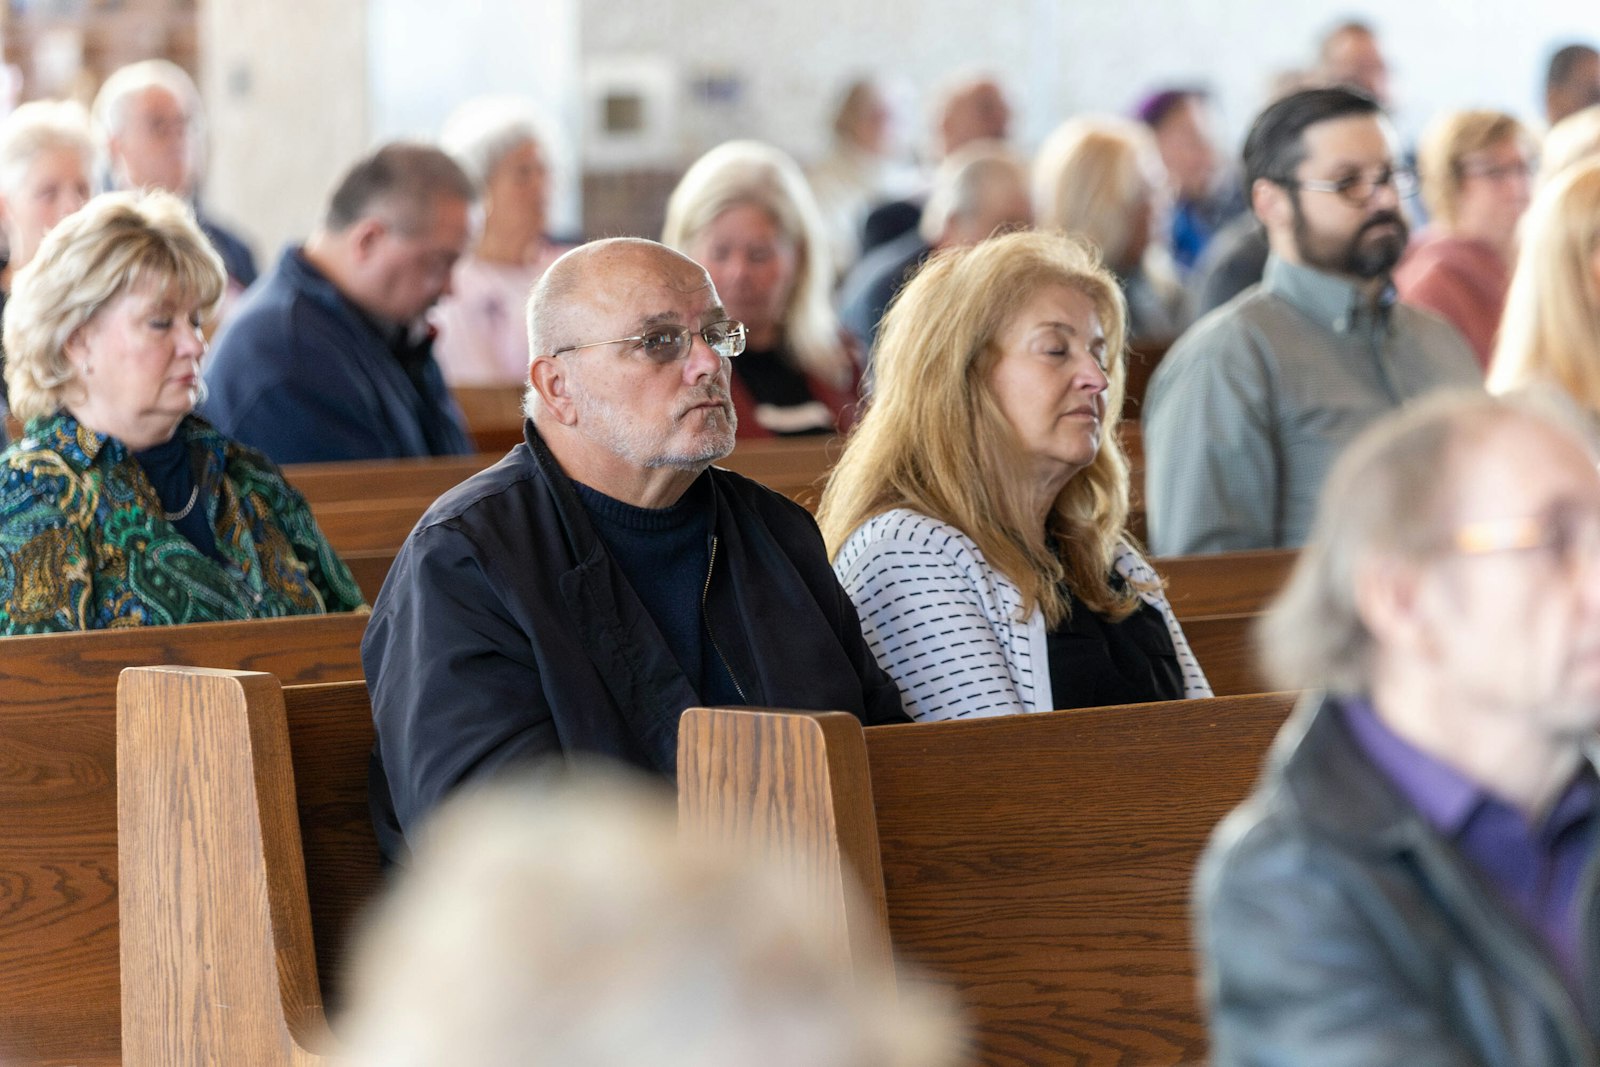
(750, 172)
(934, 439)
(1550, 331)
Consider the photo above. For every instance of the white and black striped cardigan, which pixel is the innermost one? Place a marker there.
(949, 629)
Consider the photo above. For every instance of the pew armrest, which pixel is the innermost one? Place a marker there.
(216, 948)
(793, 785)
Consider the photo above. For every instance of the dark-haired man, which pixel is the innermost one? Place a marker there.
(577, 596)
(1572, 81)
(1250, 408)
(329, 357)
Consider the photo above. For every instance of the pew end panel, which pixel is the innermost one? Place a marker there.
(237, 887)
(1038, 864)
(793, 785)
(59, 986)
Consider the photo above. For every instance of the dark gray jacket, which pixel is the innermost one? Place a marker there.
(1338, 928)
(506, 633)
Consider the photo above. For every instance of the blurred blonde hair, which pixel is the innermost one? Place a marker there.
(40, 126)
(1090, 177)
(934, 439)
(566, 921)
(1453, 137)
(1572, 140)
(750, 172)
(116, 243)
(1550, 331)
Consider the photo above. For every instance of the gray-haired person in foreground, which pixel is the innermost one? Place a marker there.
(1414, 879)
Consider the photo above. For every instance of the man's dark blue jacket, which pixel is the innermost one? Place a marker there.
(301, 374)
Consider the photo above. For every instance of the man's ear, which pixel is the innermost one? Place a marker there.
(1397, 603)
(1270, 201)
(364, 235)
(551, 381)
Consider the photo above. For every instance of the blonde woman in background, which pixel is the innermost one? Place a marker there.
(1101, 178)
(978, 515)
(1572, 140)
(483, 337)
(1476, 169)
(1551, 329)
(745, 213)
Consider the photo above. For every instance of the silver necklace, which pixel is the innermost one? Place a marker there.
(174, 516)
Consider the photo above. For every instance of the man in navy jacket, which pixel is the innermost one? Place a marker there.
(329, 357)
(580, 594)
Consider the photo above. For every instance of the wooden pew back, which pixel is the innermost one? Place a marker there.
(58, 835)
(333, 483)
(244, 839)
(1225, 647)
(1226, 583)
(1038, 864)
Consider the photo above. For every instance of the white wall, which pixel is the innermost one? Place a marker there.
(285, 90)
(297, 88)
(426, 58)
(1065, 56)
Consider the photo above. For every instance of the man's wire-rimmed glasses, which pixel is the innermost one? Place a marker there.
(1358, 189)
(669, 343)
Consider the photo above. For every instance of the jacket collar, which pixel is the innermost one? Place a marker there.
(82, 447)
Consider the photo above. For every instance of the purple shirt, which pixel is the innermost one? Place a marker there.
(1534, 869)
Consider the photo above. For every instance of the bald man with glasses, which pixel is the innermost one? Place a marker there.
(1251, 407)
(580, 594)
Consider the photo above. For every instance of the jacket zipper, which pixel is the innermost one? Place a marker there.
(705, 591)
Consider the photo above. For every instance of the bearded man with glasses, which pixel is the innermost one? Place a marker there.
(1250, 408)
(580, 594)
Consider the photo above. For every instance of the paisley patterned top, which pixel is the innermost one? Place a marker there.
(83, 544)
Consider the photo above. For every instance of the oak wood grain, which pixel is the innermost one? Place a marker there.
(217, 959)
(58, 845)
(1038, 864)
(1225, 647)
(429, 476)
(1225, 583)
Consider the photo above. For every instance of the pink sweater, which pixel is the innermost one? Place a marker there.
(1463, 282)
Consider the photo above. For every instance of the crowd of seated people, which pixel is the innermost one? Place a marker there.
(974, 552)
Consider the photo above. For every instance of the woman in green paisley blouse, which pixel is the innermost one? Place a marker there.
(118, 507)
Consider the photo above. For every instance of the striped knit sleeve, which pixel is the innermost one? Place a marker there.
(925, 618)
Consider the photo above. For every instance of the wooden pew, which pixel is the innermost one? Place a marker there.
(369, 525)
(58, 810)
(246, 850)
(332, 483)
(369, 567)
(493, 413)
(1039, 864)
(1225, 647)
(1226, 583)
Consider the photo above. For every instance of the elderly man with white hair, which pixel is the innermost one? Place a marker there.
(150, 118)
(1414, 880)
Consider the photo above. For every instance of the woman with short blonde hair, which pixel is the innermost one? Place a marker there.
(745, 213)
(978, 514)
(1475, 168)
(118, 506)
(1100, 178)
(1551, 329)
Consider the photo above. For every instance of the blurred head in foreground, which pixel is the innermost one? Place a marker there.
(567, 922)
